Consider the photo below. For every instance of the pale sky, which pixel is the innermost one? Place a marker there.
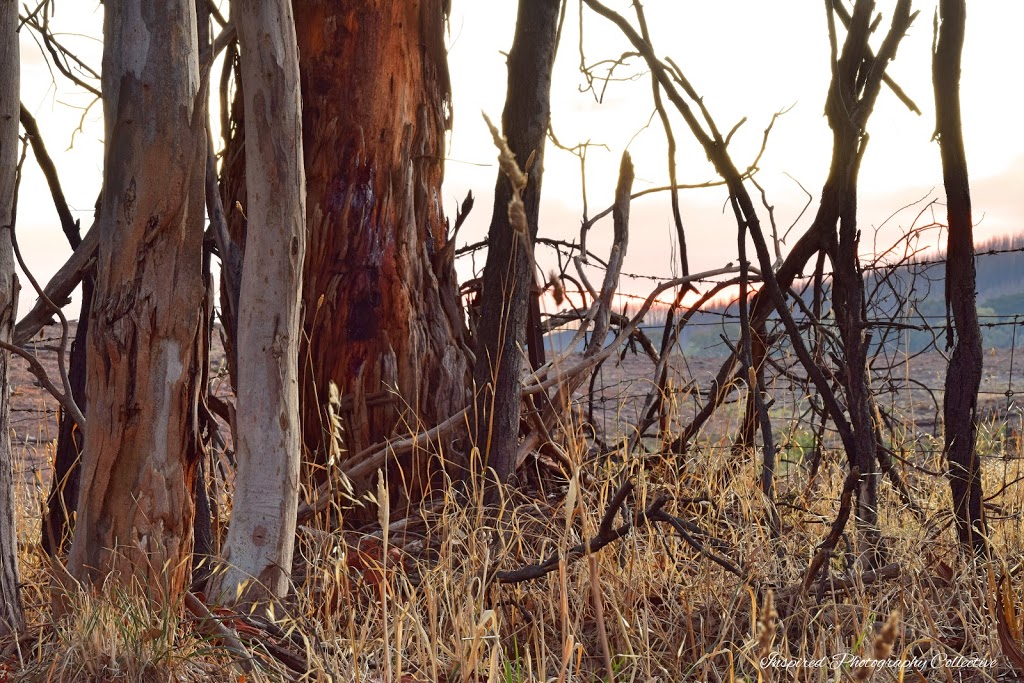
(747, 57)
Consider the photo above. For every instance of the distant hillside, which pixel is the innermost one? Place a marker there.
(916, 289)
(1001, 275)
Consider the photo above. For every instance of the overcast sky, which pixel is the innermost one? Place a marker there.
(749, 58)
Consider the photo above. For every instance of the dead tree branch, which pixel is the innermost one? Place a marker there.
(68, 224)
(65, 397)
(830, 542)
(58, 290)
(608, 534)
(714, 146)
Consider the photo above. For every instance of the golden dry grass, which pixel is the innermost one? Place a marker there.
(419, 613)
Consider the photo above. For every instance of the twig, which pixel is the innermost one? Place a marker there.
(536, 571)
(56, 49)
(826, 547)
(676, 523)
(59, 288)
(214, 628)
(66, 398)
(670, 152)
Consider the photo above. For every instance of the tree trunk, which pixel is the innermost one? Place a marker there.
(63, 498)
(261, 536)
(204, 551)
(508, 275)
(381, 316)
(963, 376)
(381, 313)
(850, 102)
(11, 616)
(857, 80)
(848, 306)
(64, 488)
(135, 510)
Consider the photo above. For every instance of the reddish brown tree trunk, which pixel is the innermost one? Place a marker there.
(382, 318)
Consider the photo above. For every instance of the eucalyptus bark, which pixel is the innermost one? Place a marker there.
(381, 313)
(261, 536)
(135, 512)
(381, 308)
(11, 616)
(508, 275)
(963, 375)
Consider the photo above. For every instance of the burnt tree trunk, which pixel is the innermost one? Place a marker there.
(63, 498)
(856, 81)
(382, 318)
(508, 275)
(11, 616)
(963, 376)
(849, 309)
(135, 510)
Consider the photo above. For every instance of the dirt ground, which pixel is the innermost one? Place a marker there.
(908, 390)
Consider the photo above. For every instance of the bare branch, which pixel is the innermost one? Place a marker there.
(58, 290)
(66, 398)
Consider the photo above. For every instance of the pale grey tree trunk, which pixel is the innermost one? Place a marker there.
(261, 536)
(135, 506)
(11, 617)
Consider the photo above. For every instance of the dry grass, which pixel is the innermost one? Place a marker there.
(426, 611)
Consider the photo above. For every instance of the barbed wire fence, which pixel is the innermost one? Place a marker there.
(906, 318)
(907, 327)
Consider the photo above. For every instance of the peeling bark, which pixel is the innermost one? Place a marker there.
(381, 314)
(261, 537)
(375, 108)
(135, 509)
(11, 615)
